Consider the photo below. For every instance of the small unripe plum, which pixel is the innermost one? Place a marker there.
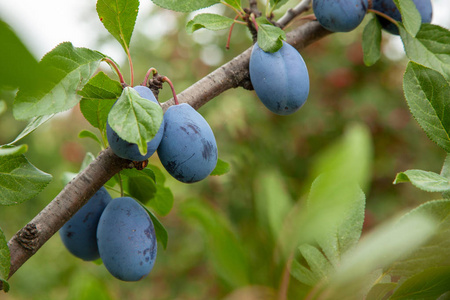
(188, 149)
(126, 240)
(340, 15)
(128, 150)
(388, 7)
(280, 79)
(79, 234)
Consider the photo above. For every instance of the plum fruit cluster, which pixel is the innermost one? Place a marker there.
(340, 15)
(280, 79)
(185, 143)
(119, 231)
(388, 8)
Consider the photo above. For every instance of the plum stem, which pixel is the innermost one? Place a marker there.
(166, 79)
(151, 71)
(113, 64)
(229, 33)
(252, 16)
(384, 16)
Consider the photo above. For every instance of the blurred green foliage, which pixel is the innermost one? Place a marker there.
(267, 154)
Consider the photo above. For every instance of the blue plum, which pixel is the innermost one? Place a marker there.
(79, 234)
(280, 79)
(388, 7)
(126, 239)
(128, 150)
(340, 15)
(188, 149)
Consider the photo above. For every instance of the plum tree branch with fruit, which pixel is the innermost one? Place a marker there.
(231, 75)
(276, 71)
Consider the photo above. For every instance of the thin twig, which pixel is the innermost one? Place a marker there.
(291, 13)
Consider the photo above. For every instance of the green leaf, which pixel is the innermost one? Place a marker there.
(427, 94)
(371, 42)
(411, 18)
(135, 119)
(384, 246)
(161, 233)
(99, 96)
(208, 21)
(65, 70)
(445, 172)
(380, 290)
(334, 197)
(148, 187)
(345, 160)
(430, 47)
(18, 65)
(235, 3)
(225, 249)
(89, 134)
(429, 284)
(424, 180)
(433, 253)
(272, 201)
(34, 123)
(270, 37)
(5, 261)
(184, 5)
(303, 274)
(119, 18)
(162, 203)
(13, 150)
(339, 233)
(278, 3)
(20, 180)
(3, 106)
(139, 184)
(316, 261)
(222, 167)
(160, 178)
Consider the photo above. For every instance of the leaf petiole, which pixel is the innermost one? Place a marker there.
(113, 64)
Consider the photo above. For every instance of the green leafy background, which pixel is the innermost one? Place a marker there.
(222, 229)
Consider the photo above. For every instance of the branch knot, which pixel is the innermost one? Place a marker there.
(28, 237)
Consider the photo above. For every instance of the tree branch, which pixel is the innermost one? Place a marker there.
(291, 13)
(76, 193)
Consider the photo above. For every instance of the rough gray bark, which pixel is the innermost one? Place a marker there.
(233, 74)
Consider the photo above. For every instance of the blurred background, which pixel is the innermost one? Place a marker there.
(254, 141)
